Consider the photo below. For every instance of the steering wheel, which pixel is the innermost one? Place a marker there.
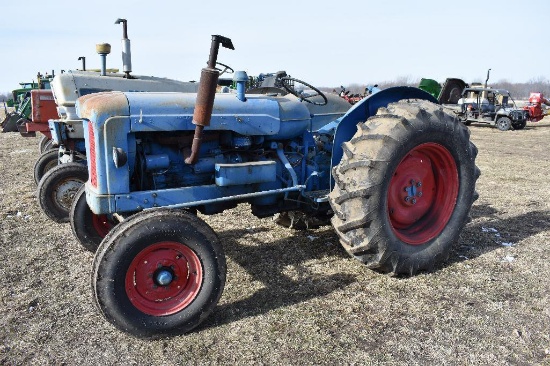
(225, 69)
(289, 83)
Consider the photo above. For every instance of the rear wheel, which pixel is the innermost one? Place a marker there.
(87, 227)
(519, 125)
(57, 189)
(504, 123)
(159, 273)
(46, 161)
(404, 188)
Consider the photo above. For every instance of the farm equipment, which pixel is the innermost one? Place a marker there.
(43, 108)
(354, 98)
(22, 103)
(449, 93)
(60, 172)
(534, 107)
(491, 106)
(395, 174)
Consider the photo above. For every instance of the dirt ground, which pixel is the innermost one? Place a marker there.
(296, 297)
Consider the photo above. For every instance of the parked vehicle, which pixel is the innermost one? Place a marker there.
(395, 175)
(60, 172)
(491, 106)
(21, 102)
(534, 107)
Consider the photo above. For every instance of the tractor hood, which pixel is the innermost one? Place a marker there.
(71, 85)
(273, 117)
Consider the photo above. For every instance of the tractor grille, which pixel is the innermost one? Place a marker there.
(92, 157)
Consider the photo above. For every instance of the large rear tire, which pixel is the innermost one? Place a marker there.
(159, 273)
(404, 187)
(57, 189)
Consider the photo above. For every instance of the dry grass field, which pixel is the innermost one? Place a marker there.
(295, 297)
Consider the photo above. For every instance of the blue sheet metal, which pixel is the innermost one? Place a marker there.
(347, 127)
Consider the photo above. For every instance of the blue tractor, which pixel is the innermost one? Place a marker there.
(395, 176)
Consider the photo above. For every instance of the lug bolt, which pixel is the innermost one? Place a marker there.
(412, 181)
(419, 184)
(419, 194)
(414, 201)
(407, 199)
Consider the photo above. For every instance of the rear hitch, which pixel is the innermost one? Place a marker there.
(205, 95)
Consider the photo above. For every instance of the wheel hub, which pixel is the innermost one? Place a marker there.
(66, 191)
(164, 278)
(422, 193)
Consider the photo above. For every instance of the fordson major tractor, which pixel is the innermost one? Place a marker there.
(395, 175)
(60, 172)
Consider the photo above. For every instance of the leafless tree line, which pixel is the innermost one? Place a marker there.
(517, 90)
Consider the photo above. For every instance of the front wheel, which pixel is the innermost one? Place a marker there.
(44, 144)
(88, 228)
(159, 273)
(404, 187)
(57, 189)
(504, 123)
(46, 161)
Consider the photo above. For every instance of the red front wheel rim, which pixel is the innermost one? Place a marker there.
(102, 224)
(422, 193)
(164, 278)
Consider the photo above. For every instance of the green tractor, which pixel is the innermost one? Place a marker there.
(448, 93)
(21, 101)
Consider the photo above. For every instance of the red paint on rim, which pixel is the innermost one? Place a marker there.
(422, 193)
(102, 225)
(153, 299)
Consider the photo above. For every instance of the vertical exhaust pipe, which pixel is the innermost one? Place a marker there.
(486, 80)
(103, 49)
(205, 95)
(126, 53)
(83, 62)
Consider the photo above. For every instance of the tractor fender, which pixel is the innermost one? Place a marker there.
(360, 112)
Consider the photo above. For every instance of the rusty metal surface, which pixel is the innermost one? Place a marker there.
(102, 105)
(43, 106)
(205, 97)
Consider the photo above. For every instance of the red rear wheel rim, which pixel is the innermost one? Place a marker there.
(102, 225)
(422, 193)
(146, 292)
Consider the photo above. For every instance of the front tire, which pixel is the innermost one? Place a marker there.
(48, 160)
(44, 143)
(404, 188)
(159, 273)
(88, 228)
(57, 190)
(504, 123)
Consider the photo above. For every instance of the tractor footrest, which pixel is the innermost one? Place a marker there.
(318, 196)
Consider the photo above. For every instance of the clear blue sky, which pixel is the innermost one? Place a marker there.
(326, 43)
